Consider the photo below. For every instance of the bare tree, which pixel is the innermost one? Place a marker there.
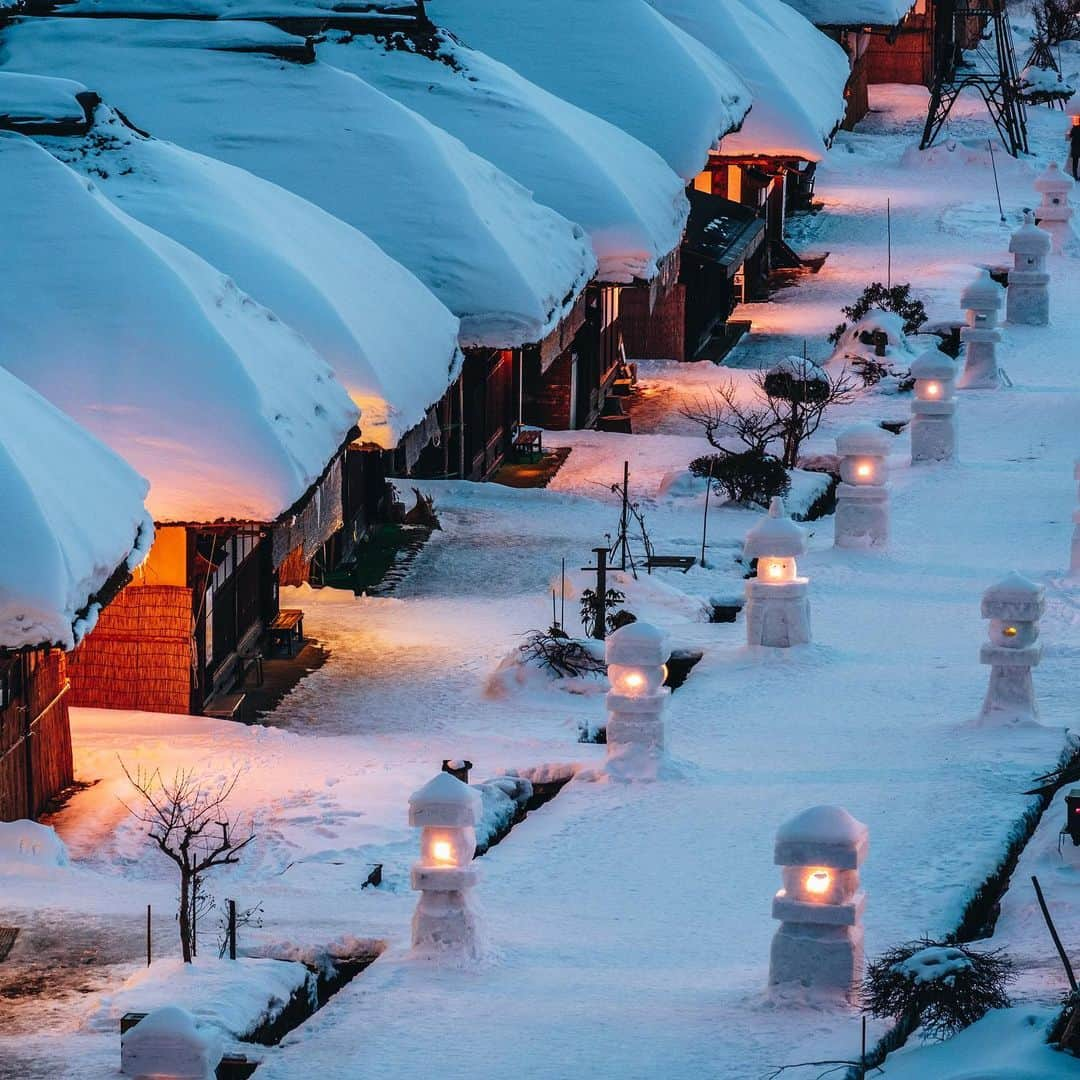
(788, 404)
(189, 821)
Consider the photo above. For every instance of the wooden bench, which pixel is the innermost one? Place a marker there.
(678, 562)
(529, 441)
(226, 707)
(287, 630)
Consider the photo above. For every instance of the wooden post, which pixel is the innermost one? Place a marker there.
(1054, 934)
(862, 1058)
(705, 518)
(232, 929)
(600, 625)
(624, 523)
(149, 940)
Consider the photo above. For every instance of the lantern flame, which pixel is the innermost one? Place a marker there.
(818, 882)
(933, 389)
(1010, 631)
(443, 852)
(635, 679)
(864, 469)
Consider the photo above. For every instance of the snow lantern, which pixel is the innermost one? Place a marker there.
(636, 664)
(1028, 300)
(1074, 560)
(981, 302)
(1013, 606)
(1054, 214)
(168, 1044)
(933, 408)
(447, 811)
(862, 497)
(777, 607)
(819, 943)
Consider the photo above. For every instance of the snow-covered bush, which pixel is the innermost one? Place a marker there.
(946, 987)
(560, 654)
(875, 347)
(878, 297)
(750, 477)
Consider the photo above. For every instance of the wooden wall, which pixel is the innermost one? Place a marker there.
(659, 334)
(139, 655)
(35, 736)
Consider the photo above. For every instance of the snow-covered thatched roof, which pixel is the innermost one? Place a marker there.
(630, 203)
(389, 340)
(853, 13)
(73, 517)
(509, 267)
(795, 73)
(226, 410)
(619, 59)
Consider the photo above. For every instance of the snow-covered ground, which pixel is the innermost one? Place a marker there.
(627, 926)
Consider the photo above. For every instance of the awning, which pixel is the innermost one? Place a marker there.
(722, 231)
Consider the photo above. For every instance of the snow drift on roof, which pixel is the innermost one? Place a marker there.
(507, 266)
(852, 12)
(73, 514)
(227, 411)
(619, 59)
(629, 201)
(390, 341)
(795, 73)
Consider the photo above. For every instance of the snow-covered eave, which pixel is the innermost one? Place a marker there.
(296, 507)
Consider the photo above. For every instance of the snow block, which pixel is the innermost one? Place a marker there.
(777, 615)
(817, 957)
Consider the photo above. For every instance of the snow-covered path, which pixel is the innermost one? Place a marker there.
(629, 925)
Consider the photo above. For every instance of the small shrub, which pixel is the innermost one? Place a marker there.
(621, 618)
(555, 650)
(876, 295)
(749, 477)
(947, 987)
(613, 598)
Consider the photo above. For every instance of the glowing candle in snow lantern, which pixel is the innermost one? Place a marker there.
(933, 408)
(819, 944)
(862, 497)
(1013, 606)
(447, 811)
(981, 301)
(777, 608)
(636, 657)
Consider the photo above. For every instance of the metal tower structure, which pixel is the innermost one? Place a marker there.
(973, 47)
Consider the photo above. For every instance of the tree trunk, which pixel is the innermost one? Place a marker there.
(185, 914)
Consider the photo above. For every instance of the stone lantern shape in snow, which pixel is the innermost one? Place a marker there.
(636, 657)
(933, 408)
(447, 811)
(1013, 606)
(777, 606)
(1074, 560)
(1054, 214)
(819, 944)
(862, 497)
(1028, 302)
(168, 1043)
(981, 302)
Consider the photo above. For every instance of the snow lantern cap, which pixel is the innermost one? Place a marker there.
(1053, 181)
(1029, 239)
(983, 293)
(822, 836)
(801, 368)
(775, 534)
(638, 643)
(863, 439)
(444, 800)
(933, 364)
(1014, 597)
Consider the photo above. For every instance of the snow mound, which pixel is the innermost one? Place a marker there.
(796, 74)
(857, 13)
(35, 99)
(167, 1042)
(390, 341)
(857, 343)
(508, 266)
(232, 997)
(680, 101)
(630, 203)
(226, 410)
(75, 515)
(936, 963)
(28, 842)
